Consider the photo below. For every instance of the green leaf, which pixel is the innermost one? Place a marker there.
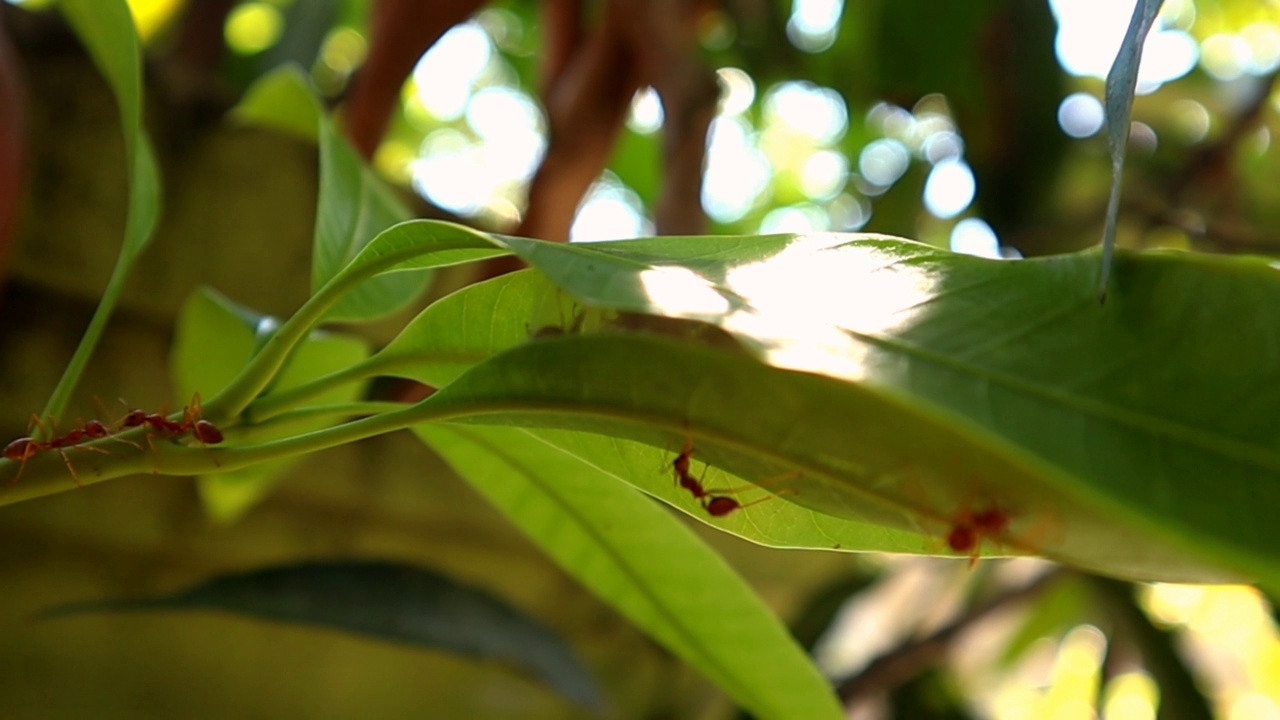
(858, 452)
(353, 206)
(423, 244)
(390, 601)
(1122, 82)
(282, 100)
(1126, 407)
(215, 339)
(106, 28)
(479, 321)
(635, 556)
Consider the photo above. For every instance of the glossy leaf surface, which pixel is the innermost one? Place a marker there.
(637, 557)
(1122, 408)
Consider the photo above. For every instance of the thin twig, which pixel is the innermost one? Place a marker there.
(905, 662)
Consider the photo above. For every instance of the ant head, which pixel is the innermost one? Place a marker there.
(95, 429)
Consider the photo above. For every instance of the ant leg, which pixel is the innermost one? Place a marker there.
(767, 498)
(70, 468)
(722, 505)
(765, 483)
(31, 448)
(121, 440)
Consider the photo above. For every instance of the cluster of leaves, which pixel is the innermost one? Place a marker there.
(893, 386)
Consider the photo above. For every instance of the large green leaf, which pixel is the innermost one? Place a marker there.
(384, 600)
(638, 558)
(1129, 406)
(484, 319)
(858, 452)
(107, 30)
(353, 206)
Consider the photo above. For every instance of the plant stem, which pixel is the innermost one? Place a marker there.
(266, 364)
(270, 406)
(46, 473)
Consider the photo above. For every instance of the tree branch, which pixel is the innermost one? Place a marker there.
(403, 30)
(905, 662)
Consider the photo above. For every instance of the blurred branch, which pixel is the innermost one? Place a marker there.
(664, 35)
(403, 30)
(1180, 696)
(201, 45)
(898, 667)
(593, 77)
(586, 101)
(1211, 163)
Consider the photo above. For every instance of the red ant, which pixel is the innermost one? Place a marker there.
(971, 528)
(715, 505)
(24, 448)
(203, 430)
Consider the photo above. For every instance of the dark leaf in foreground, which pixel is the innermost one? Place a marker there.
(396, 602)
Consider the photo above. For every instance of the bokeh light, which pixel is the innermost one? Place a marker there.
(805, 108)
(611, 211)
(1080, 115)
(445, 75)
(645, 116)
(883, 161)
(1090, 32)
(813, 24)
(973, 236)
(737, 91)
(949, 189)
(737, 172)
(253, 27)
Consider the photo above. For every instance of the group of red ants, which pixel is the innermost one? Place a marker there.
(966, 535)
(968, 530)
(157, 426)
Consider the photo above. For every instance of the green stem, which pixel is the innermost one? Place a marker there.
(46, 474)
(243, 433)
(88, 342)
(270, 406)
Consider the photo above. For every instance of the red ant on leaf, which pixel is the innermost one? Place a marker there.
(971, 528)
(715, 505)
